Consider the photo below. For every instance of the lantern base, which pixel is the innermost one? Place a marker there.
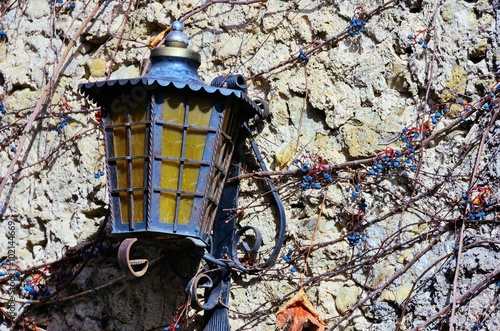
(159, 239)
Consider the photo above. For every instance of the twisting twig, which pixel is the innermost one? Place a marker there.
(471, 184)
(45, 93)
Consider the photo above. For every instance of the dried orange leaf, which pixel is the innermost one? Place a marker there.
(300, 310)
(153, 42)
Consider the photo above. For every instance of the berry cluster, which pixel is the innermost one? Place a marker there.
(478, 325)
(303, 57)
(64, 122)
(2, 33)
(357, 26)
(288, 259)
(312, 178)
(353, 240)
(420, 42)
(387, 160)
(99, 174)
(356, 191)
(477, 198)
(2, 110)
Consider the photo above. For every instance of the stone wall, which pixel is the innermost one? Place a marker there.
(350, 102)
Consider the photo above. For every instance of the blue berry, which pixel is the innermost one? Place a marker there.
(490, 203)
(412, 150)
(295, 161)
(472, 218)
(424, 46)
(353, 194)
(413, 168)
(357, 32)
(415, 135)
(72, 5)
(356, 234)
(492, 95)
(347, 189)
(351, 32)
(403, 137)
(456, 248)
(389, 164)
(396, 164)
(408, 161)
(364, 23)
(2, 33)
(379, 166)
(410, 36)
(301, 52)
(445, 110)
(363, 239)
(70, 118)
(398, 152)
(13, 148)
(460, 102)
(372, 172)
(57, 304)
(326, 175)
(106, 4)
(96, 176)
(357, 195)
(293, 269)
(18, 273)
(438, 115)
(309, 178)
(408, 145)
(486, 106)
(464, 195)
(463, 118)
(434, 121)
(318, 186)
(303, 185)
(420, 42)
(322, 196)
(467, 108)
(379, 171)
(398, 159)
(362, 30)
(432, 112)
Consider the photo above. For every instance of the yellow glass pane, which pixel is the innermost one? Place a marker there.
(169, 174)
(172, 141)
(138, 206)
(167, 207)
(138, 173)
(173, 108)
(138, 144)
(120, 136)
(190, 174)
(195, 145)
(185, 208)
(200, 112)
(121, 167)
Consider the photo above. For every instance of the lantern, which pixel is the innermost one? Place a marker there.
(169, 139)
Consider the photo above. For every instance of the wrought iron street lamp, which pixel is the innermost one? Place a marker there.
(169, 139)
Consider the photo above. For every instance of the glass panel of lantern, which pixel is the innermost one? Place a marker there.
(193, 142)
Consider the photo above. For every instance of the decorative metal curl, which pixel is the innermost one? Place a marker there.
(264, 107)
(125, 262)
(192, 291)
(248, 249)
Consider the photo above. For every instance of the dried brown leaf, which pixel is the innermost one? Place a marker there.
(300, 310)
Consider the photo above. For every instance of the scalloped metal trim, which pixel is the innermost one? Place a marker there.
(91, 90)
